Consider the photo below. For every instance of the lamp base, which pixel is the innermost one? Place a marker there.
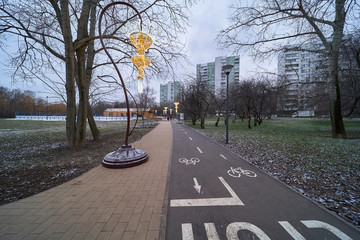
(124, 157)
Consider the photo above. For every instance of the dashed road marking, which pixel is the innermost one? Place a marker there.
(190, 138)
(223, 156)
(185, 132)
(199, 150)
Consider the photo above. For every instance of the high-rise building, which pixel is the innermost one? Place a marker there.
(299, 71)
(212, 72)
(169, 91)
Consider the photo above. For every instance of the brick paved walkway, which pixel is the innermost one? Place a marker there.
(102, 204)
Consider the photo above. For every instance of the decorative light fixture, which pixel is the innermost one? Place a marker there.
(126, 155)
(176, 106)
(142, 41)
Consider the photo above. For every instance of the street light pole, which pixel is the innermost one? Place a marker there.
(126, 155)
(227, 69)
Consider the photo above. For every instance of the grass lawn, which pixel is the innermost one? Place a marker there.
(296, 139)
(24, 137)
(301, 153)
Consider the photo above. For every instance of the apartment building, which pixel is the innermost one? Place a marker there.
(169, 91)
(300, 74)
(212, 72)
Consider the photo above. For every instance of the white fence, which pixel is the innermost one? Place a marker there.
(63, 118)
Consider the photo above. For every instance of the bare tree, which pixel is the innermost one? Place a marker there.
(270, 25)
(196, 99)
(219, 101)
(145, 100)
(350, 75)
(253, 98)
(60, 35)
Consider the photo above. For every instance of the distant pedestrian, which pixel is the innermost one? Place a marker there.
(168, 118)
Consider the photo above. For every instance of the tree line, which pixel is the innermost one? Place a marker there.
(25, 102)
(252, 99)
(60, 38)
(265, 27)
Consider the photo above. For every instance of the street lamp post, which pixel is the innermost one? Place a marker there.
(126, 155)
(227, 69)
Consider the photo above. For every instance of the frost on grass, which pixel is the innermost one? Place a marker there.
(35, 158)
(323, 169)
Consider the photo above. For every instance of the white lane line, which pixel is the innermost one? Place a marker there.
(223, 156)
(199, 150)
(190, 138)
(185, 132)
(198, 202)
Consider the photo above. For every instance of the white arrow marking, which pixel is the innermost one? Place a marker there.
(197, 186)
(223, 156)
(199, 150)
(200, 202)
(190, 138)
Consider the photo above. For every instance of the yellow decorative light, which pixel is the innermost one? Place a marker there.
(176, 106)
(142, 41)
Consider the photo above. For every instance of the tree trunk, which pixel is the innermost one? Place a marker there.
(202, 122)
(94, 130)
(217, 121)
(337, 124)
(234, 119)
(249, 122)
(82, 80)
(89, 69)
(193, 121)
(83, 99)
(70, 83)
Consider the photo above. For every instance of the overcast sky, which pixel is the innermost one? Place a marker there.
(207, 19)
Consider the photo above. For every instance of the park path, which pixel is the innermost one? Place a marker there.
(101, 204)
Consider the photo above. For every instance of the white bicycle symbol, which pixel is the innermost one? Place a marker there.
(190, 161)
(236, 172)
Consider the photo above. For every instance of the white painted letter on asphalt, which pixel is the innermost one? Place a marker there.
(187, 232)
(233, 228)
(291, 230)
(211, 231)
(332, 229)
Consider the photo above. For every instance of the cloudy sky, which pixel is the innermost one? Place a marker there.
(207, 19)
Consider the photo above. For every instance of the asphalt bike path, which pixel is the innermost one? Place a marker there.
(214, 194)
